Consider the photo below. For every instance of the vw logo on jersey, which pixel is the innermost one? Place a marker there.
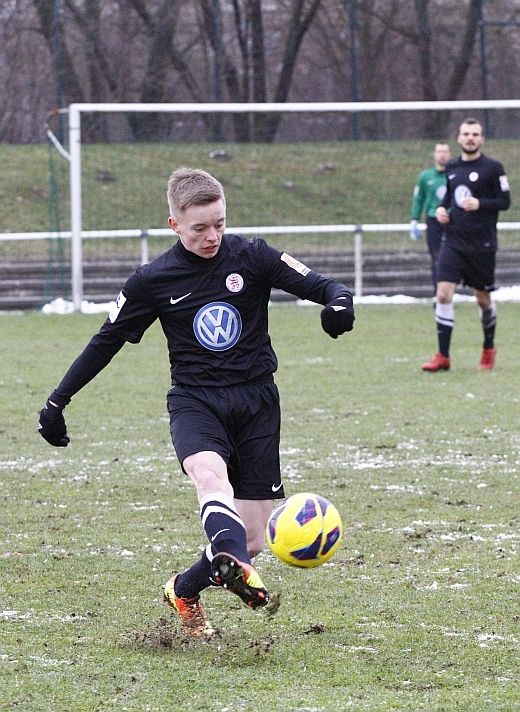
(217, 326)
(461, 193)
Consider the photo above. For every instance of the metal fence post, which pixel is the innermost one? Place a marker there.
(358, 261)
(75, 206)
(144, 247)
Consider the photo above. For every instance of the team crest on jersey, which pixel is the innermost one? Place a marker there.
(114, 312)
(235, 282)
(461, 193)
(440, 192)
(217, 326)
(295, 264)
(473, 176)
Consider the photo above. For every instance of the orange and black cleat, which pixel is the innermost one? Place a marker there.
(194, 621)
(239, 578)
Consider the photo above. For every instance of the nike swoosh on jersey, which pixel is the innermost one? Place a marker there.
(174, 301)
(275, 488)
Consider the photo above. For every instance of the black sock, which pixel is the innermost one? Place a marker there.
(223, 526)
(444, 316)
(198, 577)
(488, 319)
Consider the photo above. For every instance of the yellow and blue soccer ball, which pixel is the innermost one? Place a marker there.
(304, 530)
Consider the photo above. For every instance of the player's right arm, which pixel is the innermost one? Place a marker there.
(419, 197)
(127, 321)
(97, 354)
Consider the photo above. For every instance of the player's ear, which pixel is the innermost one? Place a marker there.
(172, 222)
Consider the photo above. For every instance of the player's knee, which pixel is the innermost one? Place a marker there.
(443, 296)
(483, 299)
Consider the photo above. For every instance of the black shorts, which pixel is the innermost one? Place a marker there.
(472, 269)
(434, 233)
(240, 423)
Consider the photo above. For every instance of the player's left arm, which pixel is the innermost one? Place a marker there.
(291, 275)
(500, 196)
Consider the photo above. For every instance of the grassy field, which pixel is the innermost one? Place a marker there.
(124, 186)
(417, 610)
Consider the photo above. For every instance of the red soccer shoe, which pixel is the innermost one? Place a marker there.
(487, 360)
(438, 363)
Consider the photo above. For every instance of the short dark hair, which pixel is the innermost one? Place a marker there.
(471, 120)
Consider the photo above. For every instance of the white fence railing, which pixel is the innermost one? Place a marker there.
(143, 235)
(75, 111)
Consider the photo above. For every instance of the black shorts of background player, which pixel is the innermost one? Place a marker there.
(477, 190)
(211, 292)
(434, 233)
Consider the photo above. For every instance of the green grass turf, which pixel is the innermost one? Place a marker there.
(417, 610)
(290, 184)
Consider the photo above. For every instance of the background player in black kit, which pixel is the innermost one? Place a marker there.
(210, 292)
(477, 189)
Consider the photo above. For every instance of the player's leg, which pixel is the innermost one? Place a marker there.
(203, 448)
(444, 319)
(221, 521)
(434, 231)
(445, 315)
(480, 275)
(238, 576)
(255, 476)
(449, 274)
(488, 318)
(227, 553)
(255, 514)
(225, 531)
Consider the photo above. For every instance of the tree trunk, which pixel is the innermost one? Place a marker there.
(299, 24)
(52, 30)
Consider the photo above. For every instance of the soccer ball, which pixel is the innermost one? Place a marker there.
(304, 530)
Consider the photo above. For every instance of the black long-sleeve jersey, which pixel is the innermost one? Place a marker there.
(485, 179)
(213, 312)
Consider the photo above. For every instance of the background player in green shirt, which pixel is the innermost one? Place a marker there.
(427, 196)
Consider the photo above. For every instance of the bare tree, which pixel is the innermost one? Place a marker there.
(436, 123)
(53, 32)
(245, 76)
(57, 52)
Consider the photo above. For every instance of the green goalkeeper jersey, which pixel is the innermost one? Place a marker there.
(428, 193)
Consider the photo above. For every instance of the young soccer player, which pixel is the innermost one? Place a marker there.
(210, 292)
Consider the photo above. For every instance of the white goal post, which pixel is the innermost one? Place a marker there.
(75, 111)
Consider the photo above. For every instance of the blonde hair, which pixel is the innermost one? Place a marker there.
(192, 186)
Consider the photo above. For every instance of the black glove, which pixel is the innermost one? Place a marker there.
(52, 425)
(338, 316)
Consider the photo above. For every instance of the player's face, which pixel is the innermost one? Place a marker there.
(201, 227)
(470, 138)
(441, 155)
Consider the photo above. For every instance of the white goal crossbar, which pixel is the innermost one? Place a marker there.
(74, 156)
